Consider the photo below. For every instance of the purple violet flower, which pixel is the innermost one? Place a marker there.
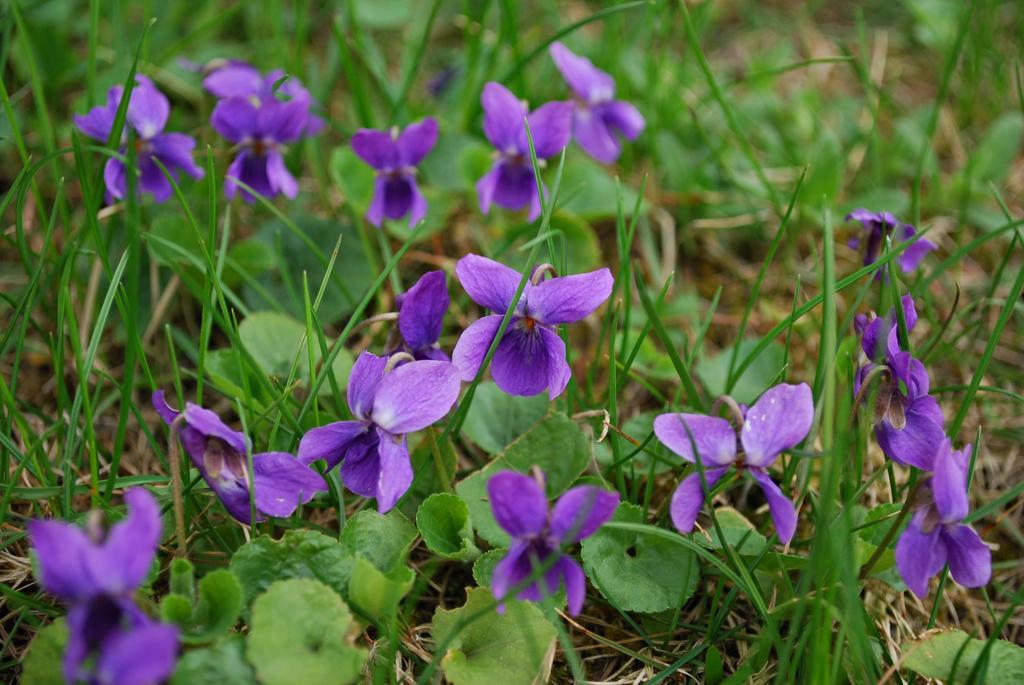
(240, 79)
(878, 225)
(531, 355)
(421, 311)
(598, 118)
(935, 535)
(259, 129)
(521, 508)
(511, 183)
(395, 154)
(388, 403)
(908, 421)
(147, 115)
(110, 640)
(778, 421)
(282, 482)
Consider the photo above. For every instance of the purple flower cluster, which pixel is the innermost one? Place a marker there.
(909, 427)
(260, 115)
(96, 572)
(880, 225)
(147, 114)
(778, 421)
(281, 481)
(908, 421)
(521, 508)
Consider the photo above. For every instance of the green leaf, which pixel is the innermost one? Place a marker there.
(176, 609)
(473, 491)
(571, 236)
(222, 663)
(936, 654)
(496, 418)
(222, 369)
(557, 446)
(247, 259)
(377, 594)
(353, 271)
(509, 649)
(639, 572)
(996, 152)
(353, 177)
(300, 553)
(301, 628)
(443, 522)
(382, 539)
(591, 192)
(276, 341)
(483, 567)
(738, 532)
(762, 372)
(456, 162)
(183, 578)
(42, 664)
(220, 602)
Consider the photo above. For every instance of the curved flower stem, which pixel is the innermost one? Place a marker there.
(891, 533)
(377, 318)
(174, 456)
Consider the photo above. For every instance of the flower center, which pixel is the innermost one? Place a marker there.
(890, 405)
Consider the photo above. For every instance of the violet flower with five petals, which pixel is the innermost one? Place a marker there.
(421, 311)
(776, 422)
(240, 79)
(394, 155)
(511, 182)
(531, 355)
(908, 421)
(598, 118)
(936, 535)
(388, 403)
(110, 639)
(521, 508)
(147, 114)
(878, 225)
(282, 482)
(260, 129)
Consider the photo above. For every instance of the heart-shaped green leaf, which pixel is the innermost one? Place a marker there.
(443, 522)
(497, 649)
(937, 654)
(222, 663)
(639, 572)
(300, 553)
(302, 629)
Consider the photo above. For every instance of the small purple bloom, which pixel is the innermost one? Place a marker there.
(908, 421)
(110, 640)
(388, 404)
(778, 421)
(878, 225)
(260, 129)
(936, 537)
(240, 79)
(421, 311)
(147, 115)
(598, 118)
(282, 482)
(394, 155)
(531, 355)
(521, 509)
(511, 183)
